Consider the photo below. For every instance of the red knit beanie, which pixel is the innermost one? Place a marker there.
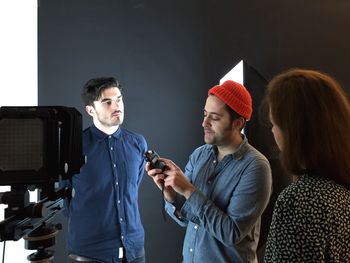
(235, 96)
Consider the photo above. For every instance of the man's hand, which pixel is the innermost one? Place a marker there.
(158, 178)
(173, 179)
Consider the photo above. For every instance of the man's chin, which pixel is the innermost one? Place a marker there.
(117, 121)
(208, 140)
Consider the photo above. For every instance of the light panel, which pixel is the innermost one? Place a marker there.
(19, 76)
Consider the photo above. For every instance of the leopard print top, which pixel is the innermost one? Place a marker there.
(310, 223)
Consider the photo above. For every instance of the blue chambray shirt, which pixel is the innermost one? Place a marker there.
(103, 215)
(222, 216)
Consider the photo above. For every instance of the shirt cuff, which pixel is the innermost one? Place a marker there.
(192, 208)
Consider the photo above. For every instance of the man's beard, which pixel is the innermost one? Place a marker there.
(111, 122)
(213, 139)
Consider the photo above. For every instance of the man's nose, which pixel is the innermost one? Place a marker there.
(205, 122)
(115, 104)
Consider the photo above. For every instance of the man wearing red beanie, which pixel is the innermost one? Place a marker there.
(226, 185)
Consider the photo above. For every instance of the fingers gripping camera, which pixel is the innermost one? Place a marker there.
(153, 158)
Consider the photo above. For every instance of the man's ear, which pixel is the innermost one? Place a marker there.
(239, 123)
(90, 110)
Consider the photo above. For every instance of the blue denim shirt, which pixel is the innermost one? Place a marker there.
(223, 214)
(103, 214)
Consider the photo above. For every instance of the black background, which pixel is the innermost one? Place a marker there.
(167, 54)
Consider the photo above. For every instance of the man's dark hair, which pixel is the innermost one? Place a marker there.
(234, 115)
(94, 87)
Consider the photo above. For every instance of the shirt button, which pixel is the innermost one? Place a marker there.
(114, 165)
(121, 219)
(195, 227)
(191, 250)
(214, 161)
(116, 183)
(111, 148)
(122, 237)
(109, 137)
(118, 201)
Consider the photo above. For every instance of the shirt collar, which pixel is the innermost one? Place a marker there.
(239, 153)
(242, 149)
(100, 135)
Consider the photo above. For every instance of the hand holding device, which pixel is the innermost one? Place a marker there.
(153, 158)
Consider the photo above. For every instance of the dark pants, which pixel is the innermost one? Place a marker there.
(137, 260)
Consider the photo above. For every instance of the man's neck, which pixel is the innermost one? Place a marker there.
(106, 130)
(224, 150)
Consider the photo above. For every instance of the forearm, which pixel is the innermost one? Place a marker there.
(228, 224)
(173, 209)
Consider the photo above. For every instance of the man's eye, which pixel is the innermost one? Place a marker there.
(214, 117)
(106, 103)
(211, 117)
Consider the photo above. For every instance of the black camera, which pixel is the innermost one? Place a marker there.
(41, 147)
(153, 158)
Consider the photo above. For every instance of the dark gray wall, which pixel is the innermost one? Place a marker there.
(167, 54)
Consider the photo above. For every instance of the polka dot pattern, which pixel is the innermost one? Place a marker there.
(310, 223)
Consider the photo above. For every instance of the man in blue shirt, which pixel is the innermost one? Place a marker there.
(103, 215)
(226, 185)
